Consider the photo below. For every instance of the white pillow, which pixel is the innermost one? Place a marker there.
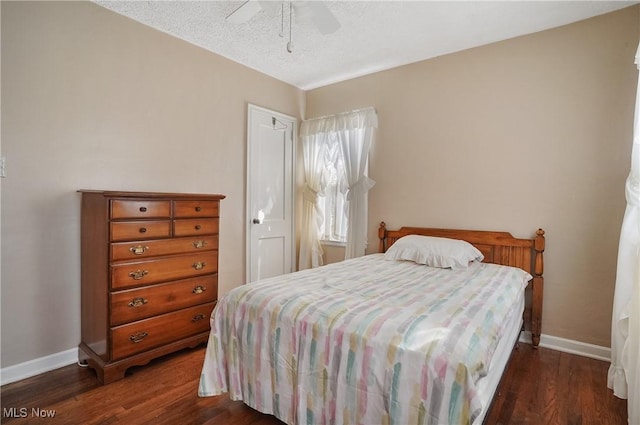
(434, 252)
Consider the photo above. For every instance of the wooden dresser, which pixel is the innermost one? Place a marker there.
(149, 276)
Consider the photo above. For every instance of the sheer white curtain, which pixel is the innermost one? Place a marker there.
(314, 146)
(353, 132)
(334, 202)
(355, 135)
(624, 373)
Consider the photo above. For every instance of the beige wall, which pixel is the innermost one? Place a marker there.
(93, 100)
(526, 133)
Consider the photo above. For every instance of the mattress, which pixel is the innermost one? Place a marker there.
(366, 341)
(488, 385)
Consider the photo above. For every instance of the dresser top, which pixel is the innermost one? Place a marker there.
(126, 194)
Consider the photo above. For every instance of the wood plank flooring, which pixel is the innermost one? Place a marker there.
(543, 386)
(539, 387)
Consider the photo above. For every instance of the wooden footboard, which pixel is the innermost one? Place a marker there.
(497, 248)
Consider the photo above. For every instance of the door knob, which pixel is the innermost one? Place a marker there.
(256, 221)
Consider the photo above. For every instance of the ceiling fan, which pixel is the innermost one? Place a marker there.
(316, 12)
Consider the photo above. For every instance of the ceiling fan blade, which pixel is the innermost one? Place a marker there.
(244, 12)
(322, 17)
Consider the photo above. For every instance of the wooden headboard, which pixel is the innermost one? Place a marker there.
(498, 248)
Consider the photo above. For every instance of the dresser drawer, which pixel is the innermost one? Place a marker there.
(133, 230)
(135, 304)
(142, 249)
(149, 333)
(195, 226)
(139, 273)
(123, 209)
(195, 209)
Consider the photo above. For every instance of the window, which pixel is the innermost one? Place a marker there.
(333, 205)
(335, 152)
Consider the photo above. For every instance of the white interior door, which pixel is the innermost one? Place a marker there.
(270, 191)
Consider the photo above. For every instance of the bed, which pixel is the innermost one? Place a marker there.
(381, 339)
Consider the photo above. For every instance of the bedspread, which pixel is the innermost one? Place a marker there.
(364, 341)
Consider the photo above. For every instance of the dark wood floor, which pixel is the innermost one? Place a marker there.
(540, 387)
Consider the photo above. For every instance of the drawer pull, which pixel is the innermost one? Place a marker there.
(138, 274)
(199, 289)
(198, 209)
(199, 244)
(138, 250)
(136, 338)
(198, 227)
(143, 230)
(199, 265)
(198, 317)
(138, 301)
(143, 209)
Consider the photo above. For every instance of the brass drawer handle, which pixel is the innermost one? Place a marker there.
(138, 274)
(143, 209)
(198, 227)
(199, 265)
(198, 317)
(199, 244)
(143, 230)
(199, 289)
(138, 250)
(136, 338)
(137, 302)
(198, 209)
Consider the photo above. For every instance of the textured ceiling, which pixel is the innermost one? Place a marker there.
(373, 36)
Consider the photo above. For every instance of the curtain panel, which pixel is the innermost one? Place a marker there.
(355, 144)
(314, 148)
(624, 372)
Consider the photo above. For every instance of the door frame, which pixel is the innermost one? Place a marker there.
(294, 141)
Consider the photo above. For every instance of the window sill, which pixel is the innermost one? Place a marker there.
(333, 243)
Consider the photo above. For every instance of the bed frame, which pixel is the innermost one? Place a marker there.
(497, 248)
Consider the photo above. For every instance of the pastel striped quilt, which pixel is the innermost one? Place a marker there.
(364, 341)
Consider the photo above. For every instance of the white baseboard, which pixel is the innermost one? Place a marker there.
(570, 346)
(54, 361)
(37, 366)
